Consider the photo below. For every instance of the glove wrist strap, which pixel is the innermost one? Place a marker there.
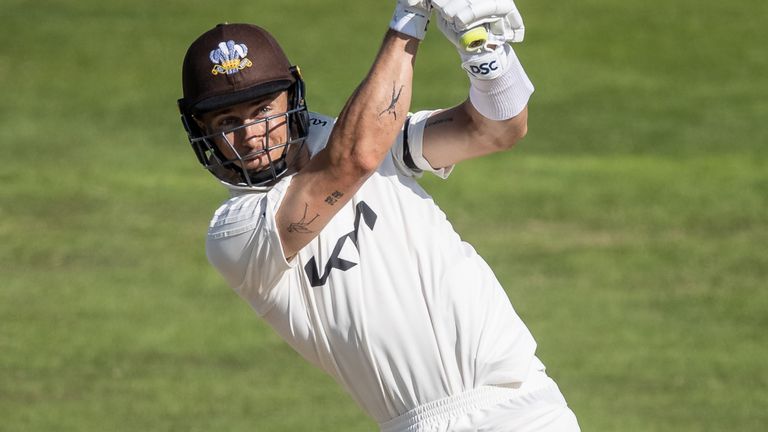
(487, 65)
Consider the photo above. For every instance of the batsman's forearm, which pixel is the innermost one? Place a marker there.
(361, 137)
(376, 111)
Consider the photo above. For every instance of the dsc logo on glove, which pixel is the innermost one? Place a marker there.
(483, 68)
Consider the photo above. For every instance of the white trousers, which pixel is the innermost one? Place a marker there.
(536, 406)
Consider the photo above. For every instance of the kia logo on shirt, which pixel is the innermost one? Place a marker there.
(362, 213)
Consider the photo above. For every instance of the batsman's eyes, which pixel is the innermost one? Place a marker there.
(227, 122)
(234, 121)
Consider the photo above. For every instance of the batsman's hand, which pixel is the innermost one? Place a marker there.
(485, 61)
(411, 17)
(499, 17)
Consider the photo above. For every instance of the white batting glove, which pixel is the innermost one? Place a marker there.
(411, 17)
(499, 88)
(485, 62)
(462, 15)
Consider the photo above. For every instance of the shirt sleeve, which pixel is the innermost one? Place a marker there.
(407, 150)
(243, 244)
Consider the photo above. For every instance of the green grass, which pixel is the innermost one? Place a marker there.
(629, 227)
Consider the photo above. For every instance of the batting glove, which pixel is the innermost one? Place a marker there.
(411, 17)
(466, 14)
(499, 88)
(484, 62)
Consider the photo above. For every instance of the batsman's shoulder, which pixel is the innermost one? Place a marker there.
(248, 211)
(237, 215)
(320, 120)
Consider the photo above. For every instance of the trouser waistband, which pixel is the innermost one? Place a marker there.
(468, 401)
(457, 405)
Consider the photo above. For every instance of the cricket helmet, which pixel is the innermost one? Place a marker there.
(228, 65)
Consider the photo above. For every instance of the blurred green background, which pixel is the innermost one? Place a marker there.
(630, 227)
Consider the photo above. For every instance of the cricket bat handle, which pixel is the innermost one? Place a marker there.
(474, 38)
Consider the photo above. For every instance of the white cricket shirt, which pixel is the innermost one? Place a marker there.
(387, 299)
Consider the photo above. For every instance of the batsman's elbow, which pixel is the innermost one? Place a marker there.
(506, 133)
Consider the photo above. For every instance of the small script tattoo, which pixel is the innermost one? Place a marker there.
(439, 121)
(333, 198)
(302, 225)
(391, 109)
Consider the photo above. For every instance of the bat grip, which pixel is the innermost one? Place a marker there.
(474, 38)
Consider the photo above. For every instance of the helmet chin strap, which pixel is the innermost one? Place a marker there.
(272, 173)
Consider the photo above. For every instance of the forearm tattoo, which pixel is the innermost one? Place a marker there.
(392, 108)
(439, 121)
(302, 226)
(333, 198)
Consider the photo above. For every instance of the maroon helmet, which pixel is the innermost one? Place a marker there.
(232, 64)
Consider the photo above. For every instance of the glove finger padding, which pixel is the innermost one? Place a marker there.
(510, 28)
(464, 14)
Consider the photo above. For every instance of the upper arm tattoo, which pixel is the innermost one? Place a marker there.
(392, 108)
(436, 122)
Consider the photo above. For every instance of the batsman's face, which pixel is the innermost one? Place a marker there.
(251, 132)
